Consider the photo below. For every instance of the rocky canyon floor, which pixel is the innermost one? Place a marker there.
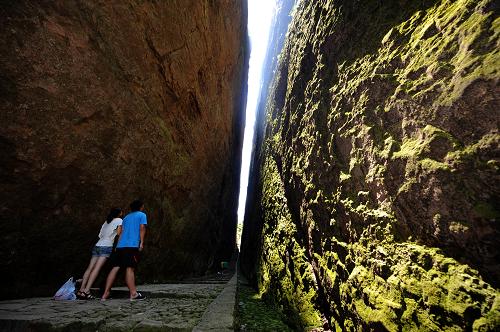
(200, 305)
(223, 302)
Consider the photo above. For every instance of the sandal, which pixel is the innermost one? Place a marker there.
(84, 296)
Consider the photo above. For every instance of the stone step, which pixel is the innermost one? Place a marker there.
(219, 315)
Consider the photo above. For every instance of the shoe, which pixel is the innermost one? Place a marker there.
(138, 297)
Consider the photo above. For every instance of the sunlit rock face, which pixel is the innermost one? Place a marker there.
(104, 102)
(377, 201)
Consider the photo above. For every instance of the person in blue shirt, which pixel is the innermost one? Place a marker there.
(128, 248)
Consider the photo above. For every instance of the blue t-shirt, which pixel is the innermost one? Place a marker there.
(131, 228)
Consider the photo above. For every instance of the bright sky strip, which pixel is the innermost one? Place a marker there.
(260, 14)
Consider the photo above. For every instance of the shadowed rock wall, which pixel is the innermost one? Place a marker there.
(103, 102)
(378, 185)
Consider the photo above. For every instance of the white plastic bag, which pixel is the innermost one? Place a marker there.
(66, 292)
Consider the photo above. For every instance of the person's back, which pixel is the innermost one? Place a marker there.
(130, 237)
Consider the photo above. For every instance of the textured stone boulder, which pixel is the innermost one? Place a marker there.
(377, 201)
(103, 102)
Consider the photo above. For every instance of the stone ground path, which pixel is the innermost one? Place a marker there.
(199, 305)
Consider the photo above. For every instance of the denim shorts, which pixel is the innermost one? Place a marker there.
(101, 251)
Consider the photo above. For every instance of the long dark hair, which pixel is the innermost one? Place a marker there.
(114, 213)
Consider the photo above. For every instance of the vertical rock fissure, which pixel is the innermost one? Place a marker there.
(161, 67)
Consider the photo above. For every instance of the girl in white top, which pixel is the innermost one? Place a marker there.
(101, 251)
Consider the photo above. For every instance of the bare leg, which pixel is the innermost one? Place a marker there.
(86, 275)
(109, 281)
(130, 280)
(95, 272)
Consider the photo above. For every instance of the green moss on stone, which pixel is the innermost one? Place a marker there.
(256, 315)
(331, 211)
(420, 145)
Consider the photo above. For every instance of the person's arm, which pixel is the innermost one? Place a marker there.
(142, 234)
(118, 230)
(117, 236)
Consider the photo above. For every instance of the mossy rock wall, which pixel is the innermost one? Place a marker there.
(102, 102)
(377, 201)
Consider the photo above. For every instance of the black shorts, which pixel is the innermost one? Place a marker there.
(125, 257)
